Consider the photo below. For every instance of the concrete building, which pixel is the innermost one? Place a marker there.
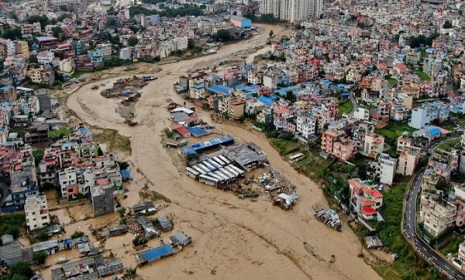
(46, 57)
(373, 145)
(292, 10)
(102, 199)
(427, 113)
(306, 126)
(407, 161)
(436, 214)
(365, 200)
(36, 211)
(68, 182)
(241, 22)
(384, 169)
(338, 144)
(125, 53)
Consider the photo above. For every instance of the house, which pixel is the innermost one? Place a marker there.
(407, 161)
(180, 239)
(36, 211)
(280, 118)
(428, 112)
(373, 145)
(306, 126)
(102, 197)
(365, 200)
(67, 179)
(241, 22)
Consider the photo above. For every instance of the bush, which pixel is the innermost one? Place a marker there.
(131, 271)
(21, 269)
(39, 257)
(139, 240)
(77, 234)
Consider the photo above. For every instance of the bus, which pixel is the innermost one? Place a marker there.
(218, 160)
(221, 175)
(213, 175)
(209, 166)
(198, 169)
(208, 180)
(296, 157)
(232, 171)
(225, 174)
(206, 169)
(192, 173)
(214, 163)
(224, 159)
(230, 175)
(241, 172)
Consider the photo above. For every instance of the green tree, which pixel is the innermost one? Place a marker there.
(447, 24)
(39, 257)
(290, 97)
(223, 35)
(77, 234)
(131, 272)
(22, 269)
(43, 19)
(271, 33)
(12, 34)
(133, 41)
(57, 31)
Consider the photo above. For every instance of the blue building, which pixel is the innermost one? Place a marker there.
(241, 22)
(96, 56)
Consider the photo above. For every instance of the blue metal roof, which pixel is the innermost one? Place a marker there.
(219, 89)
(159, 252)
(45, 38)
(196, 131)
(266, 100)
(434, 131)
(199, 86)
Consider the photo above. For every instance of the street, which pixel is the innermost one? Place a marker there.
(409, 230)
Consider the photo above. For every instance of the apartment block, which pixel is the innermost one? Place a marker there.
(427, 113)
(102, 199)
(68, 182)
(384, 169)
(436, 214)
(36, 211)
(338, 144)
(373, 145)
(306, 126)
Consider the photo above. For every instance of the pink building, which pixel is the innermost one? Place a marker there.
(365, 200)
(336, 143)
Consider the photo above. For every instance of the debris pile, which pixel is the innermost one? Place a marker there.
(125, 87)
(281, 191)
(330, 218)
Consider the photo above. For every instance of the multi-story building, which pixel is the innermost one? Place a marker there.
(373, 145)
(306, 126)
(427, 113)
(22, 48)
(102, 199)
(365, 200)
(336, 143)
(292, 10)
(68, 182)
(436, 214)
(45, 58)
(407, 161)
(384, 169)
(36, 211)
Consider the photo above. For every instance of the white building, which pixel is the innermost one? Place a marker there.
(67, 179)
(387, 166)
(306, 126)
(427, 113)
(373, 145)
(36, 211)
(45, 57)
(125, 53)
(106, 49)
(292, 10)
(362, 114)
(436, 215)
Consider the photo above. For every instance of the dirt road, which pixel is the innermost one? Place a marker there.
(232, 238)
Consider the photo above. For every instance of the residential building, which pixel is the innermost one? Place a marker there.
(102, 199)
(292, 10)
(373, 145)
(45, 58)
(306, 126)
(436, 214)
(407, 161)
(427, 113)
(384, 169)
(338, 144)
(68, 182)
(36, 211)
(365, 200)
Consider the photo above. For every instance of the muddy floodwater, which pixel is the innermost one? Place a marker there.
(233, 238)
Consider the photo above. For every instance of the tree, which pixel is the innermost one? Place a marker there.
(271, 33)
(39, 257)
(77, 234)
(57, 31)
(37, 18)
(290, 97)
(447, 24)
(12, 34)
(133, 41)
(131, 272)
(22, 269)
(223, 35)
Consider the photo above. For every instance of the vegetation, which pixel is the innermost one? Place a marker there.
(452, 247)
(19, 271)
(394, 130)
(77, 234)
(133, 41)
(43, 19)
(345, 107)
(223, 35)
(392, 82)
(186, 10)
(38, 155)
(416, 42)
(423, 76)
(131, 272)
(267, 18)
(59, 133)
(139, 240)
(447, 24)
(10, 224)
(39, 257)
(450, 144)
(114, 140)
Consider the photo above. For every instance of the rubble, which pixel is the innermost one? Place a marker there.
(330, 218)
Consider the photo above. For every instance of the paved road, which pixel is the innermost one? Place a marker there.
(409, 228)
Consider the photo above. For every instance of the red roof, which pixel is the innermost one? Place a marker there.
(183, 131)
(377, 194)
(103, 181)
(368, 210)
(282, 111)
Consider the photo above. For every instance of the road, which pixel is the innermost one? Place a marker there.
(409, 227)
